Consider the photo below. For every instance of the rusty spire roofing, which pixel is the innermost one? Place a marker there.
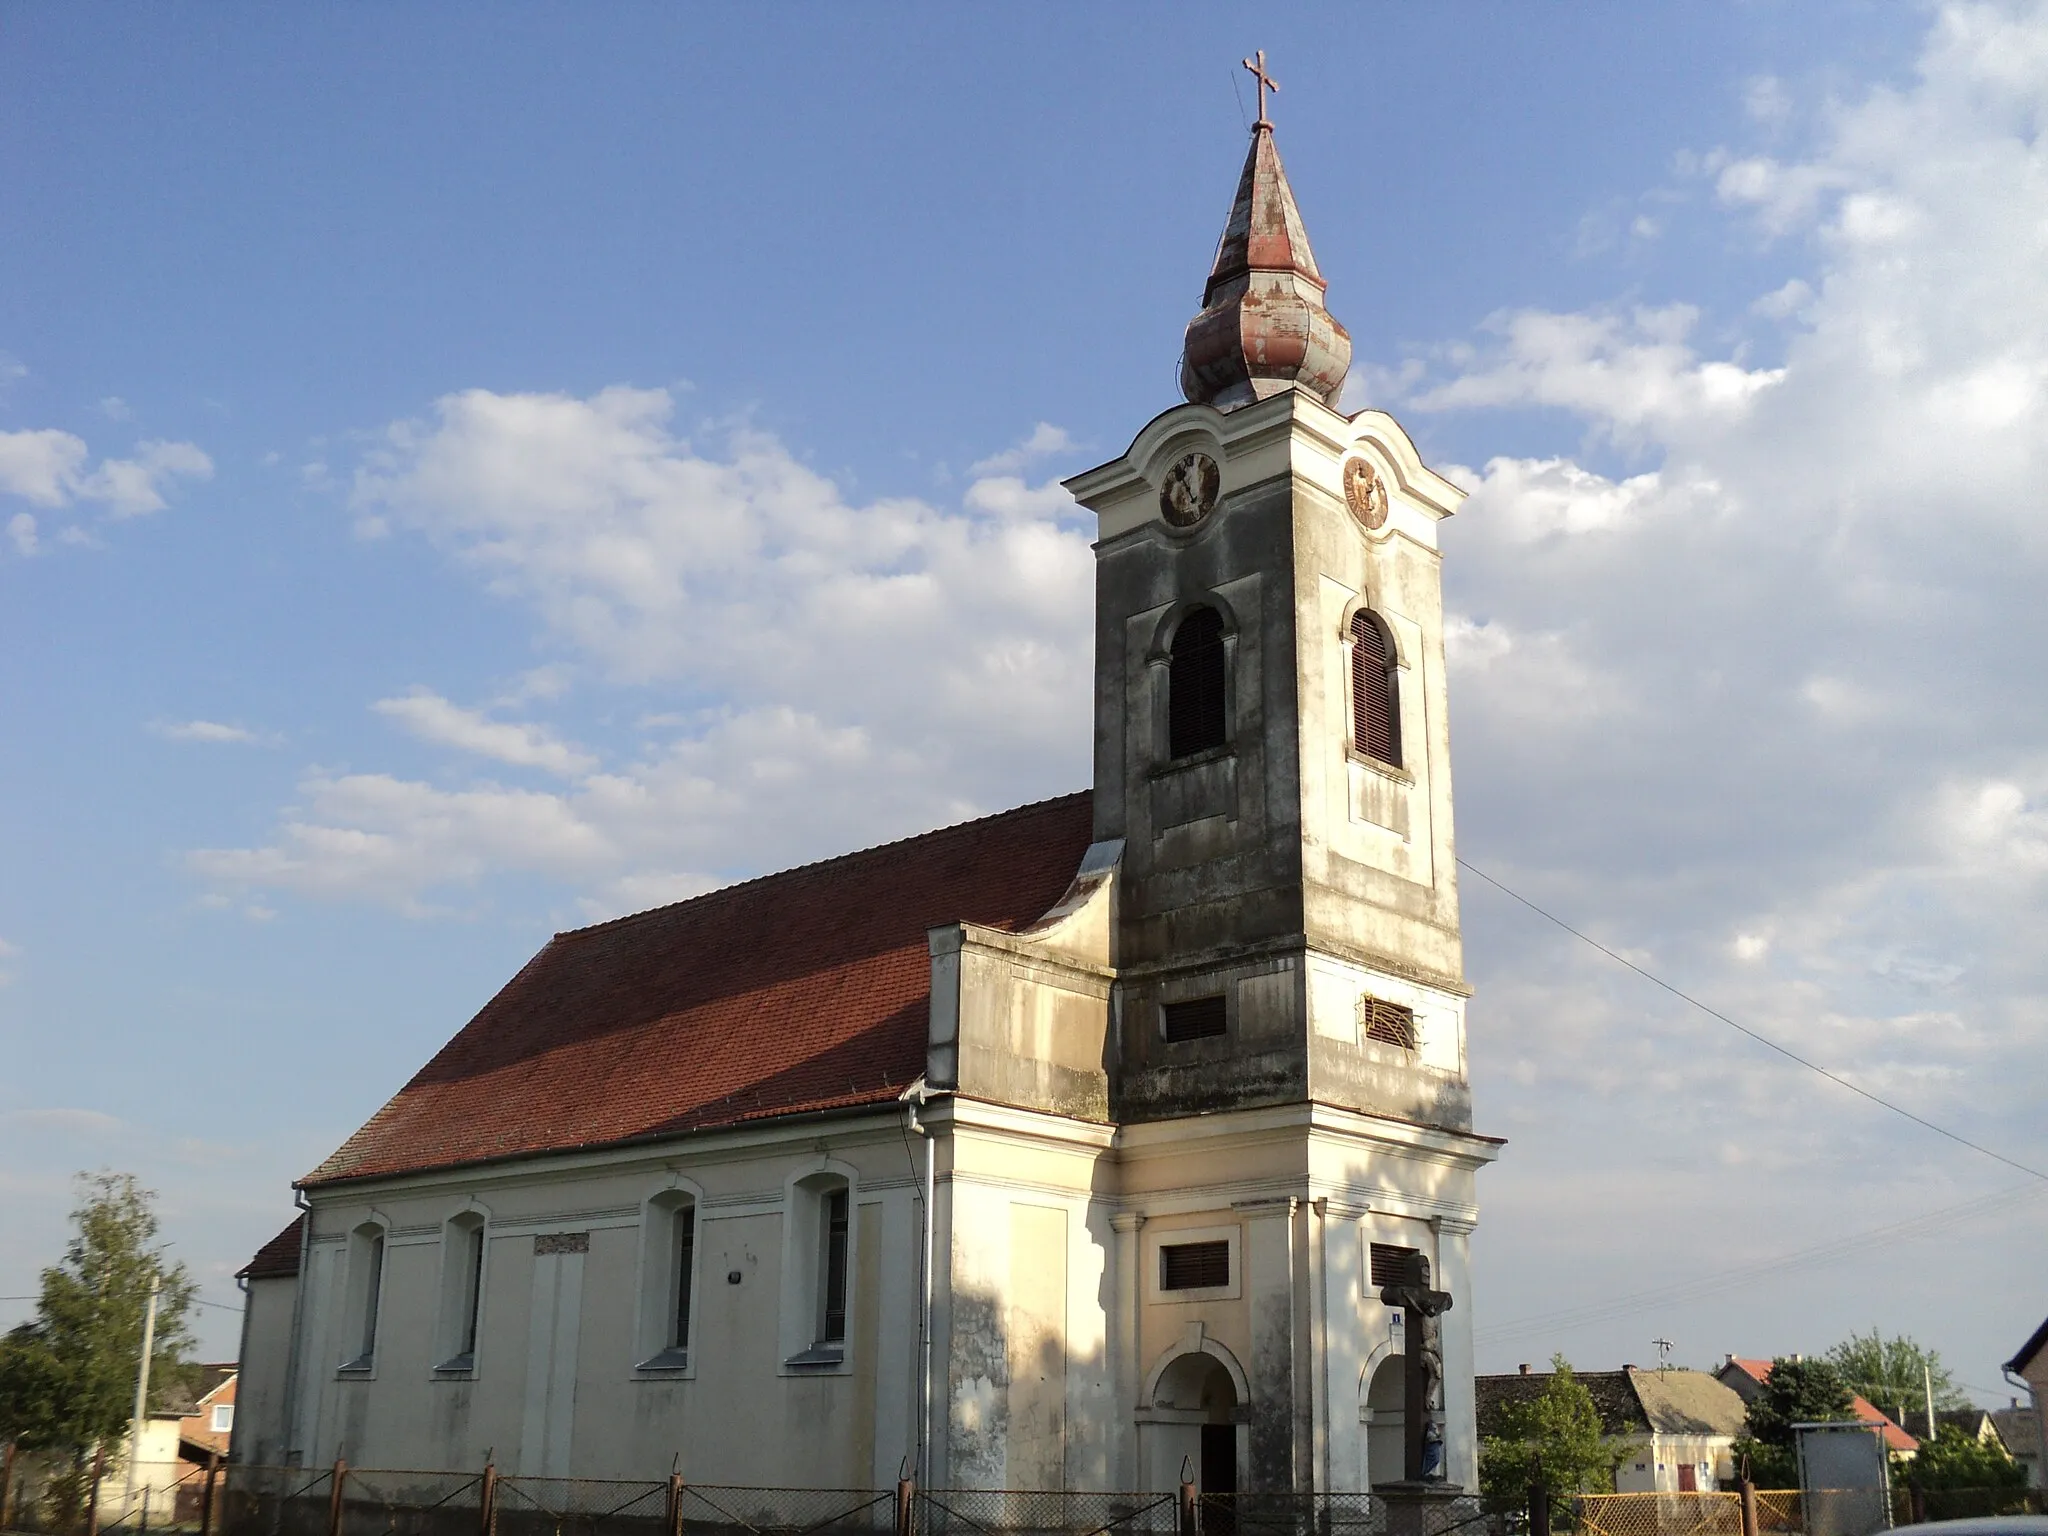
(1263, 327)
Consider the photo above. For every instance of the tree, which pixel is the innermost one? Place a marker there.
(1796, 1392)
(1557, 1432)
(1890, 1373)
(67, 1379)
(1953, 1459)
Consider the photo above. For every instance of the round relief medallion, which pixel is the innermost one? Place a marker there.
(1189, 491)
(1365, 493)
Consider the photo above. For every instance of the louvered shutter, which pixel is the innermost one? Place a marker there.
(1194, 1266)
(1194, 685)
(1389, 1264)
(1195, 1018)
(1375, 710)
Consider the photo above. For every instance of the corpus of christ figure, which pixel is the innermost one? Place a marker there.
(1423, 1377)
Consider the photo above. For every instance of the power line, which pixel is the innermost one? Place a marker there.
(1763, 1040)
(197, 1300)
(1566, 1318)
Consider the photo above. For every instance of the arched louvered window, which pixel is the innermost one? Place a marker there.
(1375, 699)
(1194, 684)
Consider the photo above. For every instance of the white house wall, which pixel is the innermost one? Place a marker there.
(555, 1389)
(262, 1390)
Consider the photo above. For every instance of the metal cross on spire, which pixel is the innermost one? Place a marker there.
(1266, 83)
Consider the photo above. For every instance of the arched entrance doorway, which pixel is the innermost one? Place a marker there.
(1197, 1390)
(1386, 1421)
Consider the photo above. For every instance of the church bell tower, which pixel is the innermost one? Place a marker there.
(1271, 740)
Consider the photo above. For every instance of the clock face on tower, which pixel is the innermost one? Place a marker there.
(1189, 491)
(1365, 494)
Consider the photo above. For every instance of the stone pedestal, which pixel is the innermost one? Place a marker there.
(1423, 1509)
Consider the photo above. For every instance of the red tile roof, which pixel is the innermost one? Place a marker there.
(277, 1259)
(801, 991)
(1895, 1438)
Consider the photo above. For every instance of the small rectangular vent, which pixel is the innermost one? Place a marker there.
(1388, 1262)
(1194, 1266)
(1196, 1018)
(1388, 1023)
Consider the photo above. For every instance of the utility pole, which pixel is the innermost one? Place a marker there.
(1927, 1386)
(142, 1390)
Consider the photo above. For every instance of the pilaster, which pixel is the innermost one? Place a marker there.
(1454, 1267)
(1130, 1368)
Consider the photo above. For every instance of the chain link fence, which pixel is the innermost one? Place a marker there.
(55, 1497)
(1662, 1514)
(1023, 1512)
(58, 1494)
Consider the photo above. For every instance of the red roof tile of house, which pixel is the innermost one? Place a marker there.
(1895, 1438)
(802, 991)
(277, 1259)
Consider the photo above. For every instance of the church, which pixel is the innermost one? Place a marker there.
(1064, 1149)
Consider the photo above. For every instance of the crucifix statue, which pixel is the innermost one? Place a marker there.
(1423, 1379)
(1266, 83)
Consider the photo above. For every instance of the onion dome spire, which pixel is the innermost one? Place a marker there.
(1263, 328)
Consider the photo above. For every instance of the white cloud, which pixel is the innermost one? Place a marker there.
(47, 467)
(21, 528)
(432, 718)
(41, 466)
(1766, 705)
(114, 408)
(212, 732)
(1630, 372)
(1767, 101)
(132, 487)
(1784, 302)
(1045, 440)
(1009, 496)
(878, 657)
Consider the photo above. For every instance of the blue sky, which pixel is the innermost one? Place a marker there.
(468, 470)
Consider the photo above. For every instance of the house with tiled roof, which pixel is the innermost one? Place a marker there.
(2019, 1431)
(1671, 1430)
(2030, 1366)
(1746, 1377)
(1062, 1149)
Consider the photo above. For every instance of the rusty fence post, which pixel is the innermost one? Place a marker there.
(1745, 1494)
(906, 1505)
(334, 1497)
(487, 1500)
(673, 1521)
(1539, 1507)
(92, 1503)
(1189, 1523)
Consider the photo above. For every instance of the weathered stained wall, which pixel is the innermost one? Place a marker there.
(262, 1387)
(557, 1387)
(1283, 870)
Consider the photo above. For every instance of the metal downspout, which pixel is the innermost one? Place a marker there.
(296, 1347)
(924, 1320)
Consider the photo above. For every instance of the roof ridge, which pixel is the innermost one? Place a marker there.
(816, 864)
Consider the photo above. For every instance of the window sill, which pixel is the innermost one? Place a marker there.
(1164, 1297)
(460, 1368)
(666, 1365)
(1199, 759)
(362, 1368)
(1374, 765)
(819, 1357)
